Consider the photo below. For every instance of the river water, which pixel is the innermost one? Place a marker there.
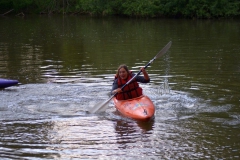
(65, 66)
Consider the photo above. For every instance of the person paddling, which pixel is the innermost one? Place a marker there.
(132, 90)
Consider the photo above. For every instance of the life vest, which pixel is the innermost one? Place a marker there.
(132, 90)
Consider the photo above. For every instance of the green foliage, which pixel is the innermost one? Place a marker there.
(98, 7)
(5, 5)
(21, 5)
(198, 9)
(132, 8)
(201, 8)
(142, 8)
(225, 8)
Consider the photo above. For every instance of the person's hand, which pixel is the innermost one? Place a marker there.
(118, 90)
(143, 70)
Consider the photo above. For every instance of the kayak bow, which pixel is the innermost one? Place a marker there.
(140, 108)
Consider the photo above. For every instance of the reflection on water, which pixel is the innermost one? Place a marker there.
(50, 122)
(66, 65)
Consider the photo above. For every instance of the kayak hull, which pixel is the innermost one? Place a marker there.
(4, 83)
(140, 108)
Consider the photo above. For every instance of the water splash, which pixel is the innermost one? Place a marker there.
(164, 88)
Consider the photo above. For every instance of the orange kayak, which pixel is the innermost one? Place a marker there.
(140, 108)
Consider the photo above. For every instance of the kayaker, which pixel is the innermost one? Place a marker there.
(132, 90)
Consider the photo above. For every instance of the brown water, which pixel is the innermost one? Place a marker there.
(65, 65)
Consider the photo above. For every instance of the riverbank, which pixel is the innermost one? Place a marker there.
(200, 9)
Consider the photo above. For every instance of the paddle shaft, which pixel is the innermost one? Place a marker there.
(106, 102)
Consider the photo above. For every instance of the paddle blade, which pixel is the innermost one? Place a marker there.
(164, 50)
(100, 107)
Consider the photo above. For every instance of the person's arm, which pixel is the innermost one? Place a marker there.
(143, 79)
(115, 88)
(145, 74)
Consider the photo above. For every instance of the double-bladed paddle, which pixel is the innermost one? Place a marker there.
(101, 107)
